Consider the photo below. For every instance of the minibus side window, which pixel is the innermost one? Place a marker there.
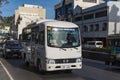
(42, 38)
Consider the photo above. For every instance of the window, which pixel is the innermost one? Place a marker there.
(85, 28)
(96, 27)
(78, 18)
(26, 34)
(34, 33)
(104, 27)
(91, 27)
(42, 37)
(33, 36)
(63, 37)
(101, 14)
(89, 16)
(92, 1)
(91, 43)
(57, 12)
(69, 8)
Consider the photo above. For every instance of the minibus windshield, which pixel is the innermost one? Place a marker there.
(63, 37)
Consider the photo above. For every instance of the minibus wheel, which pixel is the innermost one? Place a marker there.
(39, 67)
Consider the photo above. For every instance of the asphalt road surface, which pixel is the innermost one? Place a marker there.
(15, 69)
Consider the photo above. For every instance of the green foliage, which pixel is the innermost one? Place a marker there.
(5, 21)
(4, 24)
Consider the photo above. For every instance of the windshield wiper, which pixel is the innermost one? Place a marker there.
(75, 48)
(63, 49)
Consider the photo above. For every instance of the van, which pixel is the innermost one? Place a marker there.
(97, 44)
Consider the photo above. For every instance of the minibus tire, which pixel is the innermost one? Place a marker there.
(39, 68)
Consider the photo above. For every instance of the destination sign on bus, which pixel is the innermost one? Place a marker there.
(65, 29)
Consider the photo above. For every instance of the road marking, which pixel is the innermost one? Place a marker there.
(11, 78)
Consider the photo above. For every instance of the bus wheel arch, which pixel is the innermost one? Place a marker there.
(39, 67)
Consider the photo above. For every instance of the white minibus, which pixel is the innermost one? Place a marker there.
(55, 45)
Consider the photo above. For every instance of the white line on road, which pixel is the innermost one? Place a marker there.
(11, 78)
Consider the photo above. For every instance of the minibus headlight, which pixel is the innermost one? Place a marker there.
(28, 48)
(50, 61)
(78, 60)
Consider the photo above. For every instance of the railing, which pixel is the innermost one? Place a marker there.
(101, 56)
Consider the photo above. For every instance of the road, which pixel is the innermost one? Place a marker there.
(14, 69)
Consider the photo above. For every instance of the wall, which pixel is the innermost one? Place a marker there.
(114, 17)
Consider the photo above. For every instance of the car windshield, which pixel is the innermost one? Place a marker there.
(99, 43)
(63, 37)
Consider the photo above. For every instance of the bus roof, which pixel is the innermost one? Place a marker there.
(60, 24)
(54, 23)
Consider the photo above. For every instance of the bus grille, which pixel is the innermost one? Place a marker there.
(59, 61)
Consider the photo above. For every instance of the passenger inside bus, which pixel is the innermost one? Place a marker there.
(70, 39)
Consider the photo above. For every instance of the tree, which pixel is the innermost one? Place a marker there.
(6, 21)
(2, 2)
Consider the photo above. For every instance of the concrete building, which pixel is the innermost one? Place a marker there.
(26, 14)
(65, 9)
(99, 21)
(5, 30)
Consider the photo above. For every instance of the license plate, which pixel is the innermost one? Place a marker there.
(15, 55)
(16, 50)
(66, 67)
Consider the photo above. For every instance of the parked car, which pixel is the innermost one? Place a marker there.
(12, 48)
(94, 44)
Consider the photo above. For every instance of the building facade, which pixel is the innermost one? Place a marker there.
(100, 21)
(26, 14)
(65, 9)
(5, 30)
(111, 0)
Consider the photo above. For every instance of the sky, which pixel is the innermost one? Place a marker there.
(9, 9)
